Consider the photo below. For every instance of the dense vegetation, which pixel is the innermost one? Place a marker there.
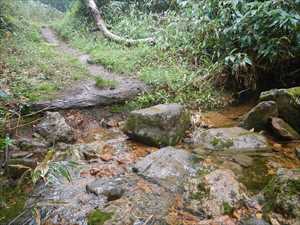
(248, 41)
(240, 44)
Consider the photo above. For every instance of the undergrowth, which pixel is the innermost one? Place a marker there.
(242, 44)
(171, 77)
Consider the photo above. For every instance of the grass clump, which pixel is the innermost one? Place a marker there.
(97, 217)
(103, 83)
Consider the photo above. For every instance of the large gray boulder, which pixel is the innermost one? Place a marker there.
(55, 129)
(168, 166)
(233, 138)
(259, 116)
(288, 102)
(160, 125)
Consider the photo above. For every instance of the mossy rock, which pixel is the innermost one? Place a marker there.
(258, 116)
(288, 102)
(282, 193)
(160, 126)
(98, 217)
(232, 138)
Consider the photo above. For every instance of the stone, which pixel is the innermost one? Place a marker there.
(243, 160)
(55, 129)
(215, 193)
(288, 104)
(283, 129)
(225, 191)
(297, 153)
(32, 144)
(258, 117)
(253, 221)
(111, 188)
(160, 125)
(233, 138)
(168, 167)
(282, 193)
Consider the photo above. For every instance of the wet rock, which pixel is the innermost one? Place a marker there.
(253, 221)
(216, 193)
(111, 188)
(169, 167)
(145, 201)
(258, 117)
(32, 144)
(243, 160)
(283, 129)
(288, 104)
(55, 129)
(161, 125)
(297, 152)
(225, 191)
(233, 138)
(282, 193)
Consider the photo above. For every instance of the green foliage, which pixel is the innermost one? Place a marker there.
(102, 83)
(250, 38)
(51, 172)
(4, 143)
(172, 77)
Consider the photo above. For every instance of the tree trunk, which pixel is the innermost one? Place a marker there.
(102, 27)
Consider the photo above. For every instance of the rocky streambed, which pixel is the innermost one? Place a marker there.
(163, 165)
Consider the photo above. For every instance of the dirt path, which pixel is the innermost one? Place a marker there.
(85, 93)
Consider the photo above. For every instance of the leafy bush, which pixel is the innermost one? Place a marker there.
(253, 39)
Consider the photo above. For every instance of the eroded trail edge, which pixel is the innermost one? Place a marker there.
(85, 93)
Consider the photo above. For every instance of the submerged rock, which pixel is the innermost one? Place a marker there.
(283, 129)
(288, 104)
(258, 117)
(161, 125)
(233, 138)
(282, 194)
(168, 167)
(55, 129)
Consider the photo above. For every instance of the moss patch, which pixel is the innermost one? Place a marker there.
(221, 144)
(97, 217)
(256, 177)
(227, 208)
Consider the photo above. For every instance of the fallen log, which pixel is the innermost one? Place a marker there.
(101, 26)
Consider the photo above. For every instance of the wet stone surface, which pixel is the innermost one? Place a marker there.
(233, 138)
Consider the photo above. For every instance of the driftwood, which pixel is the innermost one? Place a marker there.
(101, 26)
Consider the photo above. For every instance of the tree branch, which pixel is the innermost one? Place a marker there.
(101, 26)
